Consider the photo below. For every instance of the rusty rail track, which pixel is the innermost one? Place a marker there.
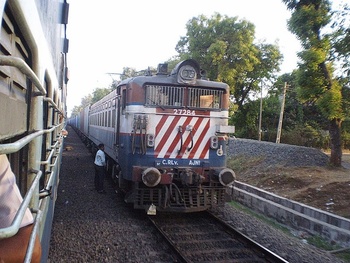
(202, 237)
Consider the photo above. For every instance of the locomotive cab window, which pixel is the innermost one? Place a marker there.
(170, 96)
(205, 98)
(164, 96)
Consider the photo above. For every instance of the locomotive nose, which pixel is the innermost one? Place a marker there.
(151, 176)
(227, 177)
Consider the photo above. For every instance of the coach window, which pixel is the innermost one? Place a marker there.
(105, 120)
(113, 117)
(109, 118)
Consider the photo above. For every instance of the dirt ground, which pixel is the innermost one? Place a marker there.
(325, 188)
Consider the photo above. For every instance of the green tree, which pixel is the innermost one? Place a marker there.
(99, 93)
(85, 101)
(128, 73)
(315, 76)
(75, 111)
(341, 39)
(131, 72)
(225, 48)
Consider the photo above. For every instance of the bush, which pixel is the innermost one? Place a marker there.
(346, 140)
(306, 136)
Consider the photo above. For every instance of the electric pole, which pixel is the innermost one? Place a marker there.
(279, 129)
(260, 116)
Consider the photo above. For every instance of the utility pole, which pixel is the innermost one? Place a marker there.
(279, 129)
(260, 116)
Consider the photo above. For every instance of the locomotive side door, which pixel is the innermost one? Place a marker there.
(118, 140)
(120, 108)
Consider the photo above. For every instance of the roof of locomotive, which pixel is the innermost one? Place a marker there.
(164, 77)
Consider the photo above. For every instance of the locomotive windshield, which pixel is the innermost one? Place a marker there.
(191, 97)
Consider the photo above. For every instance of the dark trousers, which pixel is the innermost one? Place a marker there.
(99, 177)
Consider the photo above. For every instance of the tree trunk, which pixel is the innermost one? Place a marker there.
(336, 151)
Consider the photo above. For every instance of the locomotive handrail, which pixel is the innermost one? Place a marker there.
(7, 148)
(31, 244)
(24, 68)
(49, 183)
(53, 149)
(48, 160)
(39, 212)
(14, 227)
(53, 104)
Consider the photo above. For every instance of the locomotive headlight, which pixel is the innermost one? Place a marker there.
(150, 140)
(214, 142)
(151, 176)
(227, 177)
(187, 74)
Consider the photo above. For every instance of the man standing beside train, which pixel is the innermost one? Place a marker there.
(100, 163)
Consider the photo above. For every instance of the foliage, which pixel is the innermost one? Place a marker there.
(76, 110)
(172, 62)
(315, 78)
(303, 123)
(131, 72)
(85, 101)
(341, 39)
(128, 73)
(308, 134)
(346, 140)
(225, 47)
(246, 119)
(96, 95)
(99, 93)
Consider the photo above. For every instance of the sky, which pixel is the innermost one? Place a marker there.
(107, 35)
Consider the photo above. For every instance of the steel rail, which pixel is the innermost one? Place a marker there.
(262, 253)
(269, 255)
(180, 256)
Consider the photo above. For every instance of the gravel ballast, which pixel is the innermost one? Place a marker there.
(278, 154)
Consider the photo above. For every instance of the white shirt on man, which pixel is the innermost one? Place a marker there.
(100, 159)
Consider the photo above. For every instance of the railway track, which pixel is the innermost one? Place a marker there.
(202, 237)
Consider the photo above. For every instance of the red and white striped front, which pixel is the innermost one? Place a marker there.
(168, 137)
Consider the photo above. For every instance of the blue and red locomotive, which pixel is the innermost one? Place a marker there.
(166, 137)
